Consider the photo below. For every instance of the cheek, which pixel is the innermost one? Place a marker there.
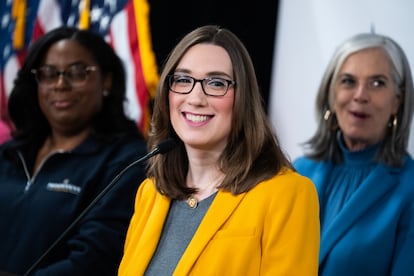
(42, 98)
(98, 104)
(224, 104)
(386, 104)
(174, 102)
(341, 98)
(226, 107)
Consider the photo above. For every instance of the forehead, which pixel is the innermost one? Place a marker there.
(67, 51)
(368, 61)
(206, 58)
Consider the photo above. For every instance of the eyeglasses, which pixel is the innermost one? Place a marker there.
(183, 84)
(75, 74)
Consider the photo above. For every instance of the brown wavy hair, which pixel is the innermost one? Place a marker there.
(252, 154)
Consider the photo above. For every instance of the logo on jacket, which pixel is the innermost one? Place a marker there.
(65, 187)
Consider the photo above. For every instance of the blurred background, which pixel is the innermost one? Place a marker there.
(290, 42)
(142, 32)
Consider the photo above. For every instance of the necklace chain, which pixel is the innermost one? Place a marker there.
(192, 202)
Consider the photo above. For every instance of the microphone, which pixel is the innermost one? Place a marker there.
(161, 148)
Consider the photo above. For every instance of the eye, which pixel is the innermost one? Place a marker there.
(76, 72)
(47, 72)
(217, 83)
(347, 81)
(377, 83)
(182, 80)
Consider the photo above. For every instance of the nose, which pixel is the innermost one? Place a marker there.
(197, 96)
(361, 93)
(61, 80)
(200, 87)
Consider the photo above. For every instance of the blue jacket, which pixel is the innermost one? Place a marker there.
(374, 232)
(36, 210)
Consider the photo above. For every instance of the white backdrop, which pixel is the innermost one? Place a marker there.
(308, 33)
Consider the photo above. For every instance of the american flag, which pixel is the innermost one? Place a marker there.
(123, 23)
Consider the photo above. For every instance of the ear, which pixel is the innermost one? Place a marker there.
(398, 99)
(107, 83)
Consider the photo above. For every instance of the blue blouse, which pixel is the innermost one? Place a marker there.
(344, 180)
(367, 214)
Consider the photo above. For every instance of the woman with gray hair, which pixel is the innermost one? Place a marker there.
(359, 162)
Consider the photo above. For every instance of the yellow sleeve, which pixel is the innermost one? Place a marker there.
(291, 241)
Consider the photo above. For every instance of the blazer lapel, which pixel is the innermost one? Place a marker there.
(380, 181)
(220, 210)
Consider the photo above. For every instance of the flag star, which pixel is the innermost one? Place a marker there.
(111, 4)
(5, 20)
(71, 20)
(104, 23)
(96, 14)
(6, 51)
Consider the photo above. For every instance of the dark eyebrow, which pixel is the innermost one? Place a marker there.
(219, 74)
(380, 76)
(346, 75)
(209, 74)
(184, 71)
(69, 65)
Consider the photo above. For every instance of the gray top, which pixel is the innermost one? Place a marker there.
(179, 228)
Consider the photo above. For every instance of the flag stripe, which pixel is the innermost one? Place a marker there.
(148, 60)
(118, 39)
(136, 57)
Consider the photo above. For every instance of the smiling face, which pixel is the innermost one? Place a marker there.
(70, 108)
(365, 98)
(203, 121)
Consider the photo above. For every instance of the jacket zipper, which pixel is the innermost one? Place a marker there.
(30, 180)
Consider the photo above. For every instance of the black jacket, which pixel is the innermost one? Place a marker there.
(36, 209)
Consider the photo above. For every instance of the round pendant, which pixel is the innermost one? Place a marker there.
(192, 202)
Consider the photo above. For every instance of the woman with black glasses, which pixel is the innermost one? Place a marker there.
(226, 200)
(71, 138)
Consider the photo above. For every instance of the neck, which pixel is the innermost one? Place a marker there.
(58, 141)
(206, 184)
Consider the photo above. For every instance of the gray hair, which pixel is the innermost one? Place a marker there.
(323, 145)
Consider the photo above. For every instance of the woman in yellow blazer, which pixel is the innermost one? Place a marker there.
(225, 200)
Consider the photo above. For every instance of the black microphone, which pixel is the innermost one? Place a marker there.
(161, 148)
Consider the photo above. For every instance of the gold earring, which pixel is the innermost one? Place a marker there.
(394, 122)
(327, 115)
(394, 125)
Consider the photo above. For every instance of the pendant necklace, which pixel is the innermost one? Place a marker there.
(192, 202)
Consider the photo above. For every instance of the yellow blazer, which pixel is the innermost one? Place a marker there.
(271, 230)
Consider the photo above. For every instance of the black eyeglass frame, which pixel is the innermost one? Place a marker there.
(170, 79)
